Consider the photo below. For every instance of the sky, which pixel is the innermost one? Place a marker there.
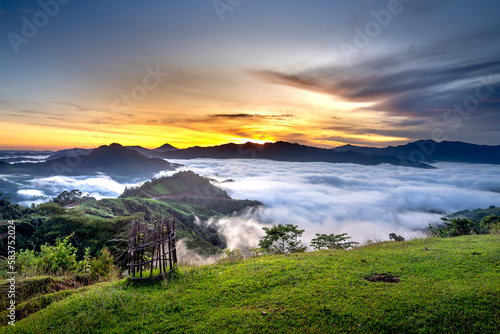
(317, 72)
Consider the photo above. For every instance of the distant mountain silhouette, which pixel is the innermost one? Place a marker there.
(113, 160)
(150, 153)
(145, 151)
(165, 148)
(284, 151)
(429, 151)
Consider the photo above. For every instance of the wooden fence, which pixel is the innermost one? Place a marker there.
(152, 249)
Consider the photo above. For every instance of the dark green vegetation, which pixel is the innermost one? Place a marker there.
(477, 214)
(445, 286)
(454, 227)
(47, 222)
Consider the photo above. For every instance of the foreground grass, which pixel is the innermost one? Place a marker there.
(36, 293)
(446, 286)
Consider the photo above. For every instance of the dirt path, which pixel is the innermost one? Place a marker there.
(190, 196)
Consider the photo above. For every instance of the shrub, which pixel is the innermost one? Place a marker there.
(256, 251)
(490, 223)
(231, 256)
(102, 267)
(58, 259)
(84, 265)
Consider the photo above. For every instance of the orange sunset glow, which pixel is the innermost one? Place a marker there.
(187, 75)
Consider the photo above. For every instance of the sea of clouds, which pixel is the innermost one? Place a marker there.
(368, 202)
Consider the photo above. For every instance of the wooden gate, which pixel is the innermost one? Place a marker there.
(152, 249)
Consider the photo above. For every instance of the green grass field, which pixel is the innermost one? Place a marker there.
(446, 286)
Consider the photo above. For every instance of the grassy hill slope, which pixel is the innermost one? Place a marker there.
(182, 184)
(446, 286)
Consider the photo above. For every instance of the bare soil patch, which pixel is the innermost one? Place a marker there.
(382, 278)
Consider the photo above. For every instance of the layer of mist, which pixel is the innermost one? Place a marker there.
(368, 202)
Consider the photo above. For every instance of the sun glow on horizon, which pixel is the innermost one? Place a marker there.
(251, 140)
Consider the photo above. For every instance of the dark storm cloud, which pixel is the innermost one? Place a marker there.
(386, 78)
(420, 83)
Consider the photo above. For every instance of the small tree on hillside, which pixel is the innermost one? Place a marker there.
(282, 239)
(332, 241)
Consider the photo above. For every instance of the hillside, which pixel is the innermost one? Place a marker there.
(445, 286)
(284, 151)
(183, 184)
(476, 214)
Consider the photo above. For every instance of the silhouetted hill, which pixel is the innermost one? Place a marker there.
(284, 151)
(165, 148)
(113, 160)
(431, 151)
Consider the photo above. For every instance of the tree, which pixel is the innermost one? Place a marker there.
(75, 196)
(332, 241)
(282, 239)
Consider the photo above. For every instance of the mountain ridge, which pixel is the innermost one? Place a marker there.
(285, 151)
(115, 160)
(427, 150)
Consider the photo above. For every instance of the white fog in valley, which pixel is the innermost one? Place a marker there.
(368, 202)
